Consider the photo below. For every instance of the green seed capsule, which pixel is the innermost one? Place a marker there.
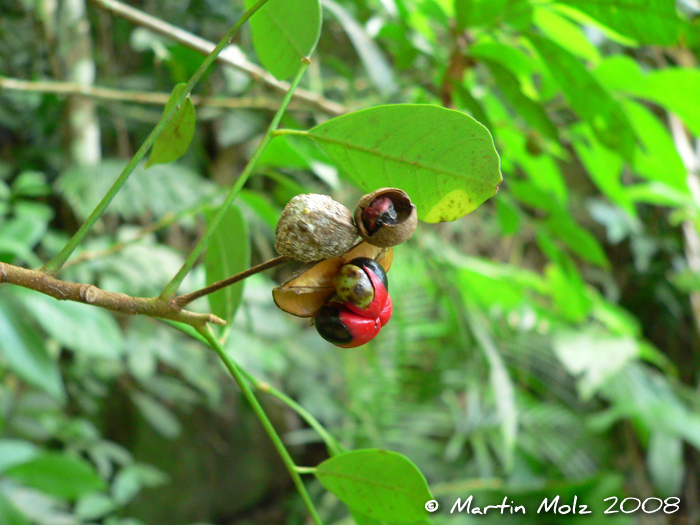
(353, 286)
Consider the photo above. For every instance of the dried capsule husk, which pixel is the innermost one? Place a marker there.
(309, 289)
(397, 229)
(314, 227)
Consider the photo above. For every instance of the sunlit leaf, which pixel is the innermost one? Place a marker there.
(673, 88)
(532, 112)
(173, 142)
(382, 484)
(646, 21)
(594, 357)
(477, 13)
(443, 159)
(284, 32)
(587, 97)
(656, 158)
(228, 253)
(567, 34)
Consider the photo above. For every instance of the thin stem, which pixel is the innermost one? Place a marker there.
(171, 288)
(140, 97)
(298, 132)
(186, 299)
(334, 448)
(238, 376)
(59, 260)
(306, 470)
(164, 222)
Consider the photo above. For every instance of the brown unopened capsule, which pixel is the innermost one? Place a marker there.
(314, 227)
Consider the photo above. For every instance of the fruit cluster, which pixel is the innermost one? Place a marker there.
(361, 306)
(344, 285)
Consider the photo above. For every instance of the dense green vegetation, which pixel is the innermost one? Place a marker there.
(543, 343)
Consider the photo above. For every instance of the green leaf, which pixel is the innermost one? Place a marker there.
(284, 32)
(60, 475)
(501, 383)
(673, 88)
(542, 170)
(646, 21)
(361, 519)
(24, 351)
(578, 239)
(228, 253)
(9, 515)
(372, 57)
(262, 206)
(594, 358)
(15, 452)
(587, 97)
(173, 142)
(130, 480)
(656, 158)
(567, 288)
(158, 191)
(382, 484)
(157, 415)
(666, 463)
(82, 328)
(480, 13)
(445, 160)
(511, 58)
(568, 35)
(93, 506)
(527, 108)
(604, 167)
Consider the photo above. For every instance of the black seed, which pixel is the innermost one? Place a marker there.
(330, 327)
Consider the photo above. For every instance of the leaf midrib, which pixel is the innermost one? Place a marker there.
(393, 158)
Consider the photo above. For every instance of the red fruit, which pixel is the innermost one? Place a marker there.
(343, 327)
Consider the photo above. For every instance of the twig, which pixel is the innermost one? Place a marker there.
(141, 97)
(231, 55)
(89, 294)
(185, 299)
(165, 221)
(239, 377)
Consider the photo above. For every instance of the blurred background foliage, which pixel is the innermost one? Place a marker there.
(546, 344)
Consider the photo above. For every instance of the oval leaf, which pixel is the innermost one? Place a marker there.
(57, 474)
(381, 484)
(284, 32)
(228, 253)
(173, 142)
(445, 160)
